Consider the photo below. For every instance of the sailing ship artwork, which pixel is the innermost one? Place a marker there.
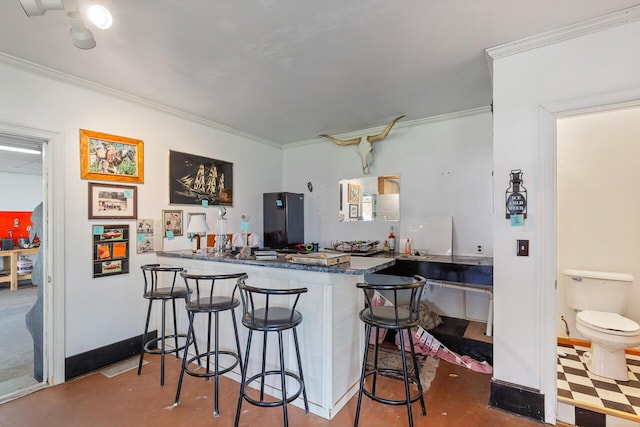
(194, 179)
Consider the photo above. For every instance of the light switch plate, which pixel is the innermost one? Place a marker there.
(523, 248)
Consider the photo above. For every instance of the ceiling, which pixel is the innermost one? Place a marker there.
(285, 71)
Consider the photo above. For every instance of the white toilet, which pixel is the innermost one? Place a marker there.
(599, 297)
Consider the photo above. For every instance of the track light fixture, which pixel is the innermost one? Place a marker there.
(81, 36)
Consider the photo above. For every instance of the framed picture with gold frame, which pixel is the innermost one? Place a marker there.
(353, 193)
(107, 157)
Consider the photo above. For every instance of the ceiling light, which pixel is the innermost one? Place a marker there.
(100, 16)
(19, 150)
(81, 37)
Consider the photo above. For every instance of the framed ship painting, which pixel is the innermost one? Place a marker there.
(197, 180)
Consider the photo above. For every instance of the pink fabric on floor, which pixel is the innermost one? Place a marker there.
(425, 343)
(376, 301)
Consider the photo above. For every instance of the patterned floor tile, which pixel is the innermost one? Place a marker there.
(575, 382)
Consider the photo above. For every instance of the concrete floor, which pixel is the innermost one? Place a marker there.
(16, 345)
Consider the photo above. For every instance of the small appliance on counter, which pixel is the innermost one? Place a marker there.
(357, 247)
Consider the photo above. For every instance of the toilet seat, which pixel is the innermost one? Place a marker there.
(611, 323)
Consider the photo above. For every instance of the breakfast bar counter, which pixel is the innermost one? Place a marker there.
(331, 335)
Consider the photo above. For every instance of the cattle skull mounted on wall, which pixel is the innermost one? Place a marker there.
(365, 145)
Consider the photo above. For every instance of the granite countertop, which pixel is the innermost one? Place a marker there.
(357, 265)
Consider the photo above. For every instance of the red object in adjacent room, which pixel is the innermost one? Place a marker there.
(18, 228)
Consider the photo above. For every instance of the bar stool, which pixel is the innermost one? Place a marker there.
(201, 299)
(156, 291)
(260, 314)
(405, 294)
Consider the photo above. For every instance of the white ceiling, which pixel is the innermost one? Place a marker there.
(288, 70)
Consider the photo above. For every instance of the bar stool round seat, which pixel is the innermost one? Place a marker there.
(261, 315)
(202, 300)
(404, 293)
(164, 291)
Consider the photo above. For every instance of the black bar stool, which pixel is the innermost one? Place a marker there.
(405, 294)
(260, 314)
(156, 291)
(201, 299)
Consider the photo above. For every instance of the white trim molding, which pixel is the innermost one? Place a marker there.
(589, 26)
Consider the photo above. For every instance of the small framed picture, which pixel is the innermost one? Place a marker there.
(353, 211)
(353, 195)
(172, 220)
(111, 201)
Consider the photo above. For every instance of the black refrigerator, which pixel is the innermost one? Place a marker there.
(283, 219)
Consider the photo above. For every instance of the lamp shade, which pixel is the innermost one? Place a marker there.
(198, 224)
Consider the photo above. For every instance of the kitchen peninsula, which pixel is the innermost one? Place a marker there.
(331, 335)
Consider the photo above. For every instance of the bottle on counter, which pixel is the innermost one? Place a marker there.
(392, 241)
(407, 247)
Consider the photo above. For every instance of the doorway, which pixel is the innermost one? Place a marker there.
(51, 181)
(597, 171)
(21, 307)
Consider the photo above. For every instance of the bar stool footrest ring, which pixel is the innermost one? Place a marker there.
(158, 349)
(211, 354)
(398, 374)
(277, 402)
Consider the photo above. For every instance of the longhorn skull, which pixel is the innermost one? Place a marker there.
(365, 145)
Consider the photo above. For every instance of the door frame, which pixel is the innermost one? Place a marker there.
(52, 242)
(548, 115)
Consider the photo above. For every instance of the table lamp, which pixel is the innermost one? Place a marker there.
(197, 225)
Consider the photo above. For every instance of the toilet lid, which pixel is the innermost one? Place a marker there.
(611, 321)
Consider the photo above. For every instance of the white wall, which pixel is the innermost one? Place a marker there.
(598, 201)
(445, 168)
(106, 310)
(20, 192)
(586, 70)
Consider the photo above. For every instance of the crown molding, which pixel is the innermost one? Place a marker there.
(61, 77)
(376, 130)
(580, 29)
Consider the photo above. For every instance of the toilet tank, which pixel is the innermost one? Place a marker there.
(597, 290)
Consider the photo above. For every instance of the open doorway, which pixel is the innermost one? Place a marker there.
(597, 171)
(21, 299)
(51, 253)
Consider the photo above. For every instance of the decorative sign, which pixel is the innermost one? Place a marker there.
(516, 197)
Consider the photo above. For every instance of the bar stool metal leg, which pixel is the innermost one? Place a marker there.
(304, 387)
(206, 302)
(397, 318)
(144, 337)
(268, 318)
(363, 373)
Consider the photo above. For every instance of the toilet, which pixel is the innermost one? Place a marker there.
(599, 297)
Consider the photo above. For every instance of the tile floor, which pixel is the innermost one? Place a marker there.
(457, 397)
(576, 383)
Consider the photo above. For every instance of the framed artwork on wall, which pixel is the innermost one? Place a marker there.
(353, 195)
(172, 220)
(110, 250)
(197, 180)
(105, 157)
(353, 211)
(111, 201)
